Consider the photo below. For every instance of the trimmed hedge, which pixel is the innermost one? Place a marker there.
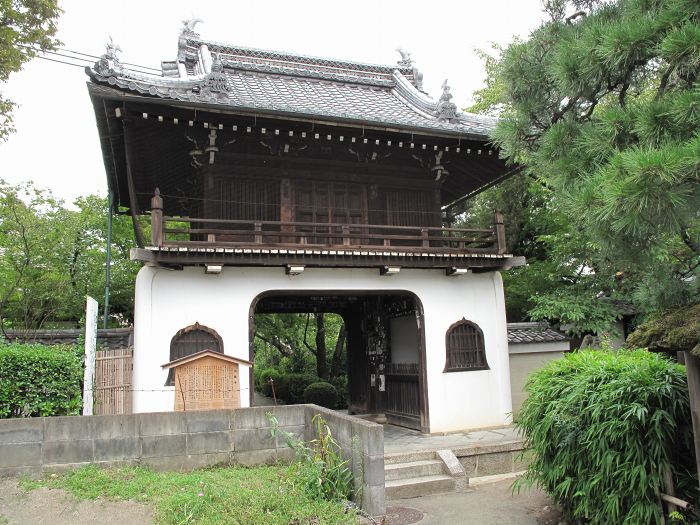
(604, 427)
(262, 384)
(37, 380)
(322, 394)
(290, 387)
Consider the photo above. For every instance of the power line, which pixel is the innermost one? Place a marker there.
(81, 66)
(88, 61)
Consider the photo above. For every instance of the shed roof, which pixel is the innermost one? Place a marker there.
(205, 353)
(520, 333)
(279, 83)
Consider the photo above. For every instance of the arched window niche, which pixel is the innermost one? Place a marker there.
(190, 340)
(464, 344)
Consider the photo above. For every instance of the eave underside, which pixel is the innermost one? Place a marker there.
(159, 150)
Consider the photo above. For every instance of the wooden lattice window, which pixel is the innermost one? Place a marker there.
(191, 340)
(465, 347)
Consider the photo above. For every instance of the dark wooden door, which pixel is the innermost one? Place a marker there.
(403, 395)
(322, 202)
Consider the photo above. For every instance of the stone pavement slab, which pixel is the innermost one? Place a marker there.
(491, 504)
(398, 439)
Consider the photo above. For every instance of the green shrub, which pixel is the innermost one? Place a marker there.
(322, 394)
(604, 427)
(262, 378)
(341, 386)
(290, 387)
(38, 380)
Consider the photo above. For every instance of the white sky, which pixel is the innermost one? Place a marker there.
(56, 143)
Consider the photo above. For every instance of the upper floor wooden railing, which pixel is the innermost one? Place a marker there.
(188, 231)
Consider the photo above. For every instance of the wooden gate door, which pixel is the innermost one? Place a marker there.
(113, 382)
(403, 395)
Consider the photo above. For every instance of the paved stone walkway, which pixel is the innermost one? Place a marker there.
(492, 504)
(398, 439)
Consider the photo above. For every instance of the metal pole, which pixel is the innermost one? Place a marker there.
(108, 264)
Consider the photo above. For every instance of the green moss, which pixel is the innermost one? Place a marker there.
(677, 330)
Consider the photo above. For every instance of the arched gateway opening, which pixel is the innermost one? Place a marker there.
(385, 348)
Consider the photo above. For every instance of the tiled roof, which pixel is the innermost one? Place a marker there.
(297, 85)
(533, 333)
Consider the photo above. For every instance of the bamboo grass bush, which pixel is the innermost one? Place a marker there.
(604, 428)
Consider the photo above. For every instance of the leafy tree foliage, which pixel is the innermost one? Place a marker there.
(301, 343)
(601, 106)
(53, 256)
(25, 27)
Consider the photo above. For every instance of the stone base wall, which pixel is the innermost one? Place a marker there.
(188, 440)
(489, 460)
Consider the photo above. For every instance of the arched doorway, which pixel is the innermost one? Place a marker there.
(385, 347)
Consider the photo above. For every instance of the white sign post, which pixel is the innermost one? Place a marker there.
(90, 349)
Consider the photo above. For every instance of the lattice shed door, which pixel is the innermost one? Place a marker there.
(207, 383)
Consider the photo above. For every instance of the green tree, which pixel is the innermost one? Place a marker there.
(53, 256)
(26, 26)
(601, 106)
(301, 342)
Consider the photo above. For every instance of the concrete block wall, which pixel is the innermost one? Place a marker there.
(489, 460)
(185, 441)
(363, 446)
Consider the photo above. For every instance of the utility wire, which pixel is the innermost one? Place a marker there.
(88, 61)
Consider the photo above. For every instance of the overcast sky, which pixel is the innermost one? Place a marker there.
(56, 143)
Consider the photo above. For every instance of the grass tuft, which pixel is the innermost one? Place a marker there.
(266, 495)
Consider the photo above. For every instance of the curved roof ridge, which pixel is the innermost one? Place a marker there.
(287, 56)
(307, 73)
(418, 99)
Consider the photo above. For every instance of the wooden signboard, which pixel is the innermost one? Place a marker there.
(207, 380)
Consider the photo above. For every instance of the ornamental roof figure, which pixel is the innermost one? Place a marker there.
(108, 64)
(295, 86)
(445, 109)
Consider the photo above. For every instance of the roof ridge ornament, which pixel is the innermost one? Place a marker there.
(189, 25)
(445, 109)
(407, 61)
(108, 64)
(186, 31)
(215, 82)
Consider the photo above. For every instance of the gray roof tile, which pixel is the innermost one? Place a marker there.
(269, 81)
(533, 333)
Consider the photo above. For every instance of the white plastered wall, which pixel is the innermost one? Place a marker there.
(167, 301)
(526, 358)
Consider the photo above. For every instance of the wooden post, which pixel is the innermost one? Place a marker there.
(286, 211)
(424, 236)
(500, 232)
(258, 233)
(346, 232)
(692, 367)
(157, 219)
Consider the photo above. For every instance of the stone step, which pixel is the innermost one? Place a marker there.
(413, 469)
(407, 457)
(421, 486)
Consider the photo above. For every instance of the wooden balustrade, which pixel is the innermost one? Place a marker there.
(189, 231)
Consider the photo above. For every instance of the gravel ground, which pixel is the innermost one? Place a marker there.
(57, 507)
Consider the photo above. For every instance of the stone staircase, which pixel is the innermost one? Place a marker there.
(413, 474)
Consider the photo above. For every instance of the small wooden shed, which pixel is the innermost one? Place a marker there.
(207, 380)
